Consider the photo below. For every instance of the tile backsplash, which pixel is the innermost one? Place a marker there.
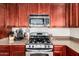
(53, 31)
(74, 32)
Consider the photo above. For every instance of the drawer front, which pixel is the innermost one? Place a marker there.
(59, 48)
(58, 53)
(4, 48)
(70, 52)
(17, 48)
(4, 53)
(17, 53)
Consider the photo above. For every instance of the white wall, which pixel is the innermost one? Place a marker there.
(74, 32)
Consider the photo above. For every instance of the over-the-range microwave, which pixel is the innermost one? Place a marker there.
(39, 20)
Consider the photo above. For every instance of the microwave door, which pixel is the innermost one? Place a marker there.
(36, 21)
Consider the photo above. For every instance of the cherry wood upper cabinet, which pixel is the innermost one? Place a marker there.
(2, 20)
(33, 8)
(6, 15)
(78, 14)
(13, 14)
(23, 14)
(24, 11)
(44, 8)
(57, 12)
(52, 14)
(67, 15)
(2, 14)
(72, 15)
(61, 14)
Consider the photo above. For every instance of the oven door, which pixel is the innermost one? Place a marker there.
(39, 53)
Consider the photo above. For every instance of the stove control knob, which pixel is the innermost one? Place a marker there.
(48, 46)
(32, 46)
(51, 46)
(29, 46)
(45, 46)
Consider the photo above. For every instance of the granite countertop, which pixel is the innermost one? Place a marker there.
(72, 43)
(5, 41)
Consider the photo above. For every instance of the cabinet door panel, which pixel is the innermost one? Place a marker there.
(33, 8)
(70, 52)
(57, 12)
(44, 8)
(2, 15)
(78, 14)
(23, 14)
(17, 53)
(4, 48)
(13, 15)
(58, 53)
(4, 53)
(67, 15)
(74, 15)
(60, 50)
(58, 47)
(17, 48)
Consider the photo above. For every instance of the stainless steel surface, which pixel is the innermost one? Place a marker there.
(39, 46)
(39, 40)
(37, 20)
(48, 53)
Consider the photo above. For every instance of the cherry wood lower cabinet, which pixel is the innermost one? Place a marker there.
(62, 50)
(3, 32)
(70, 52)
(4, 50)
(59, 50)
(17, 53)
(17, 50)
(58, 53)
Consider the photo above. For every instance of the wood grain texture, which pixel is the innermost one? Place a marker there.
(67, 15)
(59, 50)
(57, 15)
(70, 52)
(13, 15)
(2, 15)
(23, 15)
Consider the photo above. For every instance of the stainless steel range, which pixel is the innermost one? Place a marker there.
(39, 45)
